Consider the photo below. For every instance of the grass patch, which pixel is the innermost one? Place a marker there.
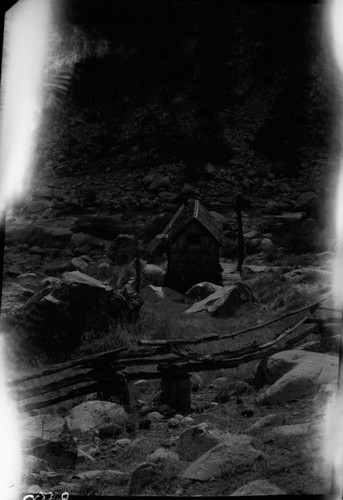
(162, 320)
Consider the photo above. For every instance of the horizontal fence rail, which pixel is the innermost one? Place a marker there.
(155, 359)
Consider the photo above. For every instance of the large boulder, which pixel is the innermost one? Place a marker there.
(225, 301)
(231, 300)
(309, 275)
(48, 438)
(258, 487)
(55, 318)
(200, 291)
(142, 476)
(296, 374)
(93, 415)
(235, 451)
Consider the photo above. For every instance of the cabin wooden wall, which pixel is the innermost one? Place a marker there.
(193, 257)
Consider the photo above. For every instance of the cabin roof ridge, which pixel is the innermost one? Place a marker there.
(193, 211)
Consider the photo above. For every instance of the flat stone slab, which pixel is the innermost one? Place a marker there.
(297, 374)
(204, 304)
(84, 279)
(258, 487)
(198, 439)
(289, 430)
(235, 451)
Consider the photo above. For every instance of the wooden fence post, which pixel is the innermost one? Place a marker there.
(176, 391)
(241, 246)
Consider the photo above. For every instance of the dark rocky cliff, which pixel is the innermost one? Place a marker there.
(184, 81)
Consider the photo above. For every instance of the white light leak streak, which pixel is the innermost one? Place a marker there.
(332, 425)
(24, 49)
(10, 452)
(25, 45)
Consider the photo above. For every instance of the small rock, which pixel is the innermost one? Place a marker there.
(271, 208)
(140, 443)
(37, 250)
(173, 423)
(148, 179)
(34, 464)
(78, 264)
(80, 240)
(140, 386)
(188, 420)
(252, 234)
(154, 416)
(142, 476)
(210, 169)
(33, 488)
(123, 443)
(196, 440)
(71, 488)
(267, 246)
(159, 182)
(108, 477)
(267, 422)
(187, 189)
(166, 410)
(162, 455)
(167, 196)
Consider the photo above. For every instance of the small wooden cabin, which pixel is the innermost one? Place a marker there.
(194, 241)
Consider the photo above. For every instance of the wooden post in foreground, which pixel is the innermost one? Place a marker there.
(176, 391)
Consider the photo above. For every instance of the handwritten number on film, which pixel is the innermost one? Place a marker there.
(47, 496)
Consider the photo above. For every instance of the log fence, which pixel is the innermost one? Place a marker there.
(173, 361)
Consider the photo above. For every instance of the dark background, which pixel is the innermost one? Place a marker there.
(214, 55)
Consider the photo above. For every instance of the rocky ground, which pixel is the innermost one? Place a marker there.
(224, 443)
(97, 176)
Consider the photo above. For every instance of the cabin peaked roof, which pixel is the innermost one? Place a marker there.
(193, 211)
